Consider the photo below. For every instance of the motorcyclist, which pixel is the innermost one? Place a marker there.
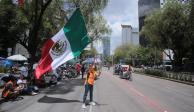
(129, 71)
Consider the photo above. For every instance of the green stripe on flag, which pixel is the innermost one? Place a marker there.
(76, 33)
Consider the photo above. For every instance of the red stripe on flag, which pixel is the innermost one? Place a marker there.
(45, 61)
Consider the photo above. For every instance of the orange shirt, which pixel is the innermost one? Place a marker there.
(90, 79)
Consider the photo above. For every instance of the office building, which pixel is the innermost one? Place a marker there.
(106, 46)
(145, 7)
(130, 35)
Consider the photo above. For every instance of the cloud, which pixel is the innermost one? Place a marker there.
(120, 12)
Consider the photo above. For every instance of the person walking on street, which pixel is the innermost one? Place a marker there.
(89, 86)
(129, 71)
(83, 70)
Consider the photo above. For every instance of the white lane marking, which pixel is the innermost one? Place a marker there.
(90, 110)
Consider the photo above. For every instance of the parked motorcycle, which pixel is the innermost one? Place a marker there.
(69, 73)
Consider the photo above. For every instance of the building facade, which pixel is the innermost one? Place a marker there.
(126, 33)
(106, 46)
(19, 49)
(145, 7)
(130, 35)
(135, 36)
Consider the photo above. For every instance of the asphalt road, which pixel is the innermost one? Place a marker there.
(112, 94)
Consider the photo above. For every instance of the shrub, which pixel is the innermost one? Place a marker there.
(3, 70)
(154, 72)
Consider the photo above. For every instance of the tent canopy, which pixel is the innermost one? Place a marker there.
(17, 57)
(92, 60)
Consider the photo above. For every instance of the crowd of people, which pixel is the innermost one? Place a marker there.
(22, 85)
(16, 86)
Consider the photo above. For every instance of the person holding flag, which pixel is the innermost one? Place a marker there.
(67, 44)
(89, 86)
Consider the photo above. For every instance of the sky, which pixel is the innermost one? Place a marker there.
(120, 12)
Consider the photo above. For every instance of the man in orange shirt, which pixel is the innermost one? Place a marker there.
(89, 86)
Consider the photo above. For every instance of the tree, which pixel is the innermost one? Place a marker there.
(97, 28)
(96, 24)
(89, 53)
(167, 29)
(137, 55)
(7, 15)
(191, 30)
(40, 19)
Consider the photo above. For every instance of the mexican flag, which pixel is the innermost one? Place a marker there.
(67, 44)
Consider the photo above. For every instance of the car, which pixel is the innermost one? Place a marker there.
(166, 65)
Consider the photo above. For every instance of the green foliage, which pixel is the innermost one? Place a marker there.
(7, 15)
(108, 59)
(146, 56)
(96, 24)
(86, 53)
(154, 72)
(191, 30)
(167, 28)
(38, 20)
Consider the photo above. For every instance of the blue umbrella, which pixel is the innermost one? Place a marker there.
(8, 63)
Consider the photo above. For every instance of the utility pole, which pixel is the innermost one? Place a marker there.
(112, 60)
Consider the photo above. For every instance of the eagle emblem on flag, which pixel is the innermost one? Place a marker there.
(59, 48)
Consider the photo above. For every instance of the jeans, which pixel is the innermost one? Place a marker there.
(27, 91)
(83, 71)
(88, 88)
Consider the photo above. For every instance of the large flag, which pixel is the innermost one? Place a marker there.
(65, 45)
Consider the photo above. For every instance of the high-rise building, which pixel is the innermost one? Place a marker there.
(145, 7)
(126, 33)
(130, 35)
(135, 36)
(106, 46)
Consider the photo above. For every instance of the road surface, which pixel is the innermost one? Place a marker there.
(111, 94)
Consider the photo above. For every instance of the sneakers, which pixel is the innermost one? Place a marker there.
(84, 106)
(92, 103)
(33, 93)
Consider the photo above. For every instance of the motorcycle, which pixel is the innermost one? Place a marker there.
(125, 74)
(69, 73)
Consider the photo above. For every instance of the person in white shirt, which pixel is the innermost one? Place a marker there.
(24, 88)
(24, 70)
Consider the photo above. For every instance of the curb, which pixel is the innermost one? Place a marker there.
(174, 80)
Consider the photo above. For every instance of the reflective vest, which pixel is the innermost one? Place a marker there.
(90, 78)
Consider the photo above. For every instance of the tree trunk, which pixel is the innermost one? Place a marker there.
(177, 62)
(191, 21)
